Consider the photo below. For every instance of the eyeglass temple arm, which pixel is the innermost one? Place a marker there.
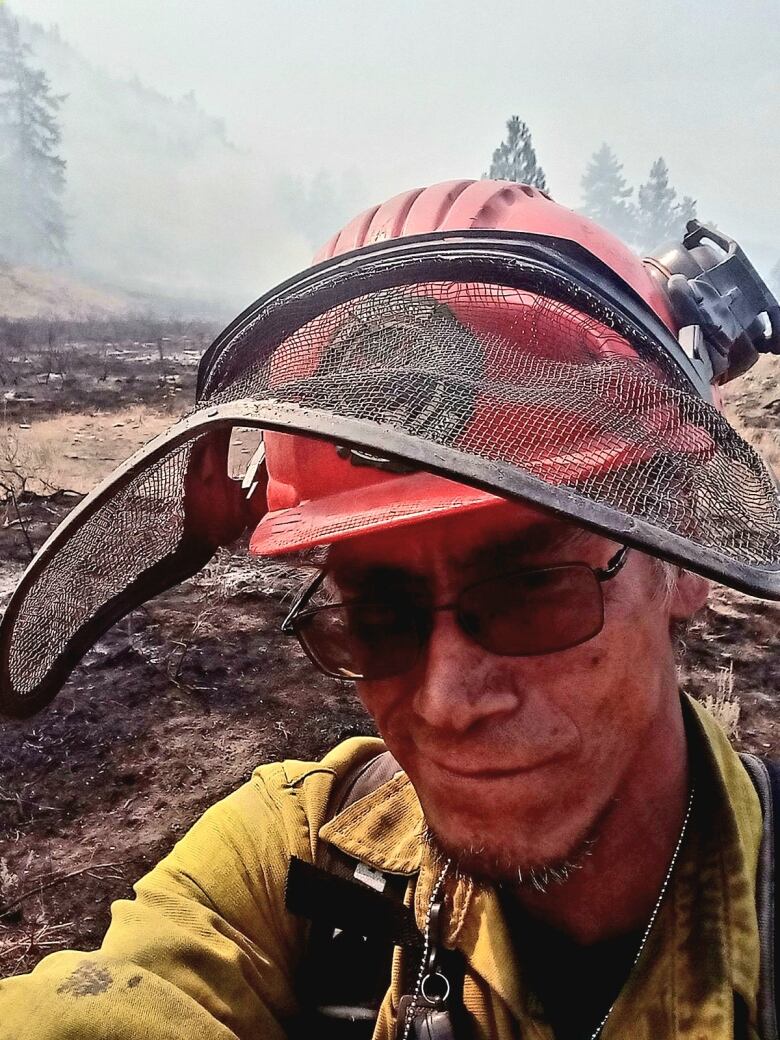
(613, 565)
(301, 602)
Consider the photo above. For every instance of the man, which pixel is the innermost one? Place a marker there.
(561, 846)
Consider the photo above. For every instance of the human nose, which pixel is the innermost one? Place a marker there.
(460, 684)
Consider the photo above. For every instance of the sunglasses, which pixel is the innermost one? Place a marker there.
(522, 613)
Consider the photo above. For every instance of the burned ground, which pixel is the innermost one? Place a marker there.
(169, 713)
(179, 702)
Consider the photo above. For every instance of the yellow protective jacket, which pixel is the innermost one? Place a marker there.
(207, 951)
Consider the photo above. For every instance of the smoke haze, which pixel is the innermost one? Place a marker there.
(303, 113)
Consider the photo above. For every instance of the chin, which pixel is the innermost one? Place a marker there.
(497, 863)
(543, 841)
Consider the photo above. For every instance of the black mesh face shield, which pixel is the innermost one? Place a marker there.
(513, 363)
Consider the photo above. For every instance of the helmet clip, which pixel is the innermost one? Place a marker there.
(366, 458)
(713, 286)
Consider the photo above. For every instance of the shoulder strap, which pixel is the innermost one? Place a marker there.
(344, 972)
(362, 781)
(766, 780)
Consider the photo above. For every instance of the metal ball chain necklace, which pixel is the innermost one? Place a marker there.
(597, 1033)
(439, 1024)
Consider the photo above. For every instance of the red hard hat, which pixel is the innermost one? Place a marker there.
(319, 495)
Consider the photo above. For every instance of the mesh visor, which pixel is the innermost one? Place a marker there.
(521, 371)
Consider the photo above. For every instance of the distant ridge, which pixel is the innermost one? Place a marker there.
(32, 292)
(29, 292)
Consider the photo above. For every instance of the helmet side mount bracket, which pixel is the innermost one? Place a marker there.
(727, 313)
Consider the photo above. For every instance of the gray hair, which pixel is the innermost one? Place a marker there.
(666, 575)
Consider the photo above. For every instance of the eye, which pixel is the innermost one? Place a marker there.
(535, 581)
(470, 621)
(385, 585)
(373, 612)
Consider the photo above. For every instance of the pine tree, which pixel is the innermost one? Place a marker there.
(515, 158)
(606, 198)
(685, 211)
(660, 217)
(32, 174)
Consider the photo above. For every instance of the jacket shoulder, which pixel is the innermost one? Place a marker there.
(296, 794)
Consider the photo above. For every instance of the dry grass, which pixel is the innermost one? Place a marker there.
(767, 444)
(233, 572)
(752, 405)
(21, 951)
(29, 292)
(724, 704)
(24, 464)
(76, 451)
(9, 882)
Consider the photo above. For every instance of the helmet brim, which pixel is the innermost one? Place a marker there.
(399, 502)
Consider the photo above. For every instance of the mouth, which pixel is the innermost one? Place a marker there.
(491, 773)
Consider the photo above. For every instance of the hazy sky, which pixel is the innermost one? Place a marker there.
(406, 92)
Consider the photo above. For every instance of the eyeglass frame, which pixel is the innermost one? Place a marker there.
(602, 574)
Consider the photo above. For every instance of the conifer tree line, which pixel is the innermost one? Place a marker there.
(645, 219)
(32, 173)
(656, 216)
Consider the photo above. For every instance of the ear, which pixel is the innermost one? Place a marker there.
(688, 595)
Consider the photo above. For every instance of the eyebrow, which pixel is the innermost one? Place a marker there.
(358, 579)
(541, 537)
(544, 536)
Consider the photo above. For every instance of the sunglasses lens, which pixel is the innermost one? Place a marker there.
(533, 612)
(365, 639)
(520, 614)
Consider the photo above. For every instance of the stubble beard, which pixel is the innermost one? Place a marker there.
(503, 866)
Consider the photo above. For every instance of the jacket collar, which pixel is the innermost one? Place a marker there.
(386, 830)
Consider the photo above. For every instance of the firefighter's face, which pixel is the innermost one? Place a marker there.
(515, 759)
